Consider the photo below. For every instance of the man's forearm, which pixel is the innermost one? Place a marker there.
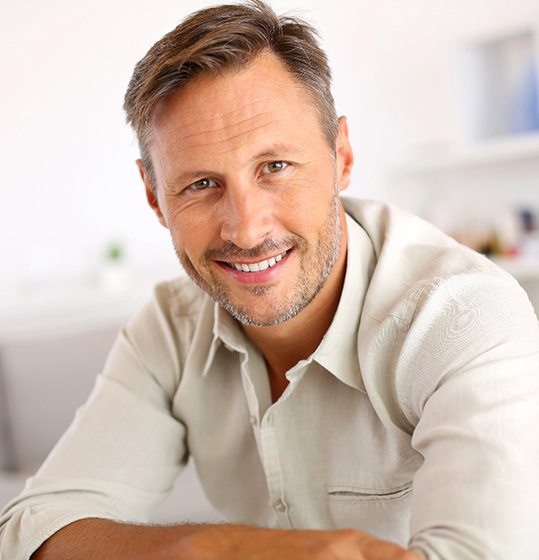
(95, 539)
(90, 539)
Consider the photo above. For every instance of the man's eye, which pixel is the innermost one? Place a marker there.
(202, 184)
(274, 166)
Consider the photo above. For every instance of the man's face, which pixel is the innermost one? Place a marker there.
(248, 187)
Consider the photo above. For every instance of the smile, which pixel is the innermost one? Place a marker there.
(258, 266)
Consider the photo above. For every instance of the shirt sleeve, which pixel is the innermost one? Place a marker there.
(472, 361)
(122, 453)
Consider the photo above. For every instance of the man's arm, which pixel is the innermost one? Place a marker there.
(95, 539)
(475, 395)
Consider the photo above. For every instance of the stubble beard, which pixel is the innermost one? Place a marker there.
(311, 277)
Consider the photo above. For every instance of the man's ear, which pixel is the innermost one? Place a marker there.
(343, 155)
(151, 195)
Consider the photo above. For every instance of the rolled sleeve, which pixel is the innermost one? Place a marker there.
(118, 459)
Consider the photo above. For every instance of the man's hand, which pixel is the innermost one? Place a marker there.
(234, 542)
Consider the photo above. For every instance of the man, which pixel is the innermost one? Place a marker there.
(352, 384)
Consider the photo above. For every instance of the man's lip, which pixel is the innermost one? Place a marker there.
(281, 254)
(256, 277)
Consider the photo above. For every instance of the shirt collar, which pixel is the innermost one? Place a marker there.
(337, 351)
(225, 331)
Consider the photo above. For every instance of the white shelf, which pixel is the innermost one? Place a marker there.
(523, 269)
(487, 152)
(46, 311)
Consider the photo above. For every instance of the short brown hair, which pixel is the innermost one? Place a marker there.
(222, 38)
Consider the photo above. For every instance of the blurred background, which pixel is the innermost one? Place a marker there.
(442, 103)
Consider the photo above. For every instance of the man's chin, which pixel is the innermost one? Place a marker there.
(267, 315)
(256, 321)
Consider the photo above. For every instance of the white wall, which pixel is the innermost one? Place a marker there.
(67, 180)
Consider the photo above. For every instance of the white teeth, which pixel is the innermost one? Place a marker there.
(256, 267)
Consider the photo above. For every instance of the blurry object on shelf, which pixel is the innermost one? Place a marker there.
(529, 238)
(478, 237)
(511, 234)
(507, 230)
(498, 86)
(113, 267)
(483, 239)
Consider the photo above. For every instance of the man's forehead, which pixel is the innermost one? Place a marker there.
(224, 112)
(218, 134)
(214, 118)
(231, 96)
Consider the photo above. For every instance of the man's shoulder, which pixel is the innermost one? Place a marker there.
(180, 296)
(388, 225)
(415, 260)
(410, 250)
(161, 333)
(173, 306)
(433, 307)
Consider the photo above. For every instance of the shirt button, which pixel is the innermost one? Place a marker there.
(254, 420)
(279, 506)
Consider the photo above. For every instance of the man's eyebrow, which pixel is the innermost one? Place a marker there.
(278, 151)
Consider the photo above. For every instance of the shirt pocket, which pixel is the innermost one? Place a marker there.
(382, 512)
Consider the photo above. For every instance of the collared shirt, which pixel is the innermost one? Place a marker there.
(416, 419)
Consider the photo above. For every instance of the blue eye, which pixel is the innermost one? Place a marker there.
(274, 166)
(202, 184)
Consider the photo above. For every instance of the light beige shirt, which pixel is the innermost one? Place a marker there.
(416, 419)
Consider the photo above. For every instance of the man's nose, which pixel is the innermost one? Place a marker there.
(247, 218)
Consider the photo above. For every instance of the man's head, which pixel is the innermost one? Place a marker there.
(240, 161)
(226, 38)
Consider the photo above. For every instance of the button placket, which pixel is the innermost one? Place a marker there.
(249, 390)
(272, 468)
